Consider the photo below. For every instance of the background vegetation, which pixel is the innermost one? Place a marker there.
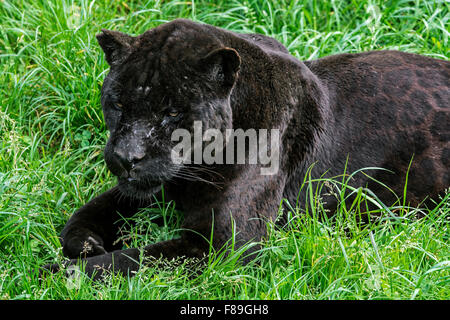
(52, 134)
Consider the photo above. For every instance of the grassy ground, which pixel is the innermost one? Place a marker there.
(52, 133)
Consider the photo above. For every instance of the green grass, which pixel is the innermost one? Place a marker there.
(52, 134)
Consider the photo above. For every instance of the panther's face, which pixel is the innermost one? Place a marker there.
(159, 82)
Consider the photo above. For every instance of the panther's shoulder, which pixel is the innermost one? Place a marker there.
(381, 59)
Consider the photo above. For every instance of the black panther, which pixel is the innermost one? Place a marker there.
(342, 112)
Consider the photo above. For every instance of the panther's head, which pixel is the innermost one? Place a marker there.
(162, 80)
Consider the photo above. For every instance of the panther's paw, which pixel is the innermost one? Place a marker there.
(51, 268)
(83, 247)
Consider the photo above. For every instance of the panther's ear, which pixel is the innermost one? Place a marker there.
(222, 65)
(116, 45)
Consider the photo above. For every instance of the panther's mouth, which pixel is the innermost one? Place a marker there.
(134, 187)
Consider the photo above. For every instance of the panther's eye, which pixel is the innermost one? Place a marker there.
(173, 115)
(117, 106)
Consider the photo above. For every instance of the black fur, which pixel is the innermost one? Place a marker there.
(374, 109)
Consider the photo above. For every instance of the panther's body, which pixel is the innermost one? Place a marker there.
(343, 112)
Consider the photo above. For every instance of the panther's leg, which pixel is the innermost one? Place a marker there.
(127, 261)
(239, 216)
(92, 229)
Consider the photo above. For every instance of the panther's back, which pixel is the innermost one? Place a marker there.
(387, 107)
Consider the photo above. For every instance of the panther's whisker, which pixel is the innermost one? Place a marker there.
(202, 168)
(192, 177)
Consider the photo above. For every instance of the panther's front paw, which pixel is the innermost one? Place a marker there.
(83, 246)
(120, 261)
(51, 268)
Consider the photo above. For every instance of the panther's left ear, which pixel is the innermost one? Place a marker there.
(115, 44)
(222, 65)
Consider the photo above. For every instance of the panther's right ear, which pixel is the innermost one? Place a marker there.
(116, 45)
(222, 65)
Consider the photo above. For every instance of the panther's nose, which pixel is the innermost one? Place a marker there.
(128, 158)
